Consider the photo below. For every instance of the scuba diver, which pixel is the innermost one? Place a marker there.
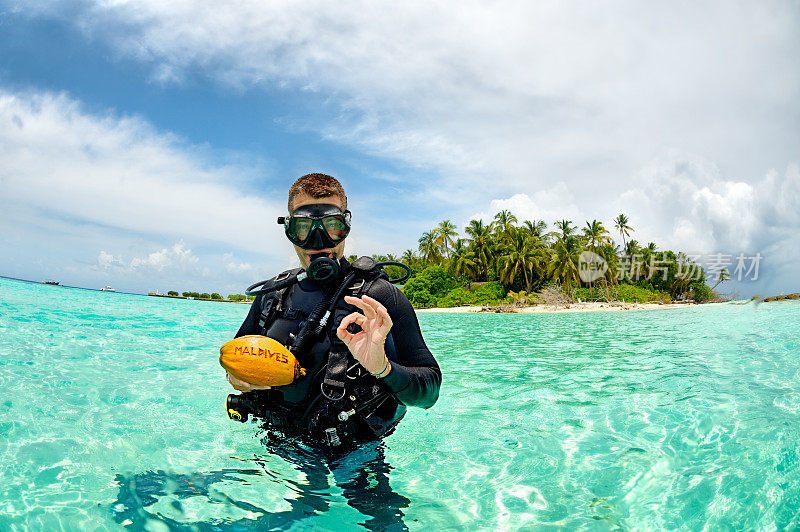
(359, 341)
(353, 331)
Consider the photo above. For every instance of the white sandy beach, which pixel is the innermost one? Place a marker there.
(574, 307)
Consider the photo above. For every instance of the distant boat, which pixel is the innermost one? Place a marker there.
(107, 289)
(54, 283)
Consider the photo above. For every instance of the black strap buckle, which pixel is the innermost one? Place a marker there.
(283, 276)
(334, 386)
(266, 314)
(358, 285)
(353, 375)
(293, 314)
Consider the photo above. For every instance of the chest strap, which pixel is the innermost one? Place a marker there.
(333, 386)
(339, 368)
(272, 305)
(294, 314)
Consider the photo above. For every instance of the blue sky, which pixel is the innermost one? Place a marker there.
(150, 146)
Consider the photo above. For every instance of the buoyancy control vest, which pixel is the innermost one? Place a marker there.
(337, 401)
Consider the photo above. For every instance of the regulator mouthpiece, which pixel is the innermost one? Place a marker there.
(323, 269)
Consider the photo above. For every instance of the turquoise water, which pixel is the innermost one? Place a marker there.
(111, 417)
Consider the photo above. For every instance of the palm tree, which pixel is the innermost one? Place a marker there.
(596, 238)
(632, 248)
(722, 276)
(648, 256)
(610, 252)
(564, 227)
(481, 245)
(685, 272)
(444, 235)
(428, 248)
(535, 228)
(408, 257)
(563, 264)
(503, 222)
(634, 266)
(477, 229)
(596, 235)
(520, 255)
(462, 261)
(621, 223)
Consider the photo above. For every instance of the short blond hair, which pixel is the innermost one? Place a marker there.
(317, 186)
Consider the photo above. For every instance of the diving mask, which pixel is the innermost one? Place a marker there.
(316, 226)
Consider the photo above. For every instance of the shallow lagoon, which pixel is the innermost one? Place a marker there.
(111, 417)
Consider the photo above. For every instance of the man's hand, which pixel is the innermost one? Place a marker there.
(243, 386)
(367, 346)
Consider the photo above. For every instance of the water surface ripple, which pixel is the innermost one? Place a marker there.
(111, 416)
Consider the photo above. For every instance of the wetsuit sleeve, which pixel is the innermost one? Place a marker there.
(415, 377)
(250, 324)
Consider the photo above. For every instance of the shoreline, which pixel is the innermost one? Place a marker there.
(591, 306)
(156, 294)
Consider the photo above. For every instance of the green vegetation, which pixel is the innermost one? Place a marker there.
(435, 287)
(516, 260)
(240, 297)
(431, 284)
(214, 296)
(623, 292)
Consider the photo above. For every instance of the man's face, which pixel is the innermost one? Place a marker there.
(305, 254)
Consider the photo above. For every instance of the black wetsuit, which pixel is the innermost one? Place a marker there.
(415, 376)
(362, 473)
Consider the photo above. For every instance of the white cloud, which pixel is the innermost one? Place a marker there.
(686, 204)
(689, 204)
(178, 256)
(92, 189)
(236, 268)
(525, 93)
(62, 162)
(549, 205)
(106, 260)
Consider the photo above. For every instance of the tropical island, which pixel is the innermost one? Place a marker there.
(510, 266)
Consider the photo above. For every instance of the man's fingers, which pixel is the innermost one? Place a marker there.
(244, 386)
(384, 321)
(369, 312)
(237, 384)
(344, 335)
(376, 313)
(371, 301)
(381, 311)
(341, 330)
(353, 317)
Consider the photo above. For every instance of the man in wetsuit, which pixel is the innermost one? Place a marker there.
(378, 327)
